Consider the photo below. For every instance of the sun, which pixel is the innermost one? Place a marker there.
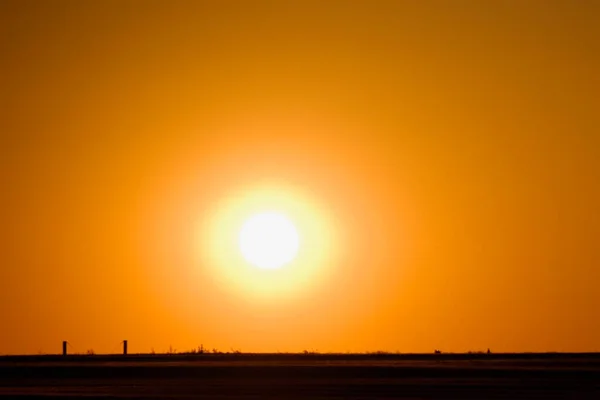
(269, 240)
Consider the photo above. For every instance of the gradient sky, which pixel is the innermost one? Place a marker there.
(451, 150)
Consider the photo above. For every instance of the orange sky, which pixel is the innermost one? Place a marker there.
(445, 155)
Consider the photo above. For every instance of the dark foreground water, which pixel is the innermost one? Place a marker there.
(298, 376)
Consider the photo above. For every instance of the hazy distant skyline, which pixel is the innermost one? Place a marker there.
(441, 157)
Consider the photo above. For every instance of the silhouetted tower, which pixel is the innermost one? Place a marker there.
(124, 347)
(64, 347)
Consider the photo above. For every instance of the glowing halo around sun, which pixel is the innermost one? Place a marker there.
(267, 241)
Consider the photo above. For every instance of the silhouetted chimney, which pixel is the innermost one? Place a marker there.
(64, 347)
(124, 347)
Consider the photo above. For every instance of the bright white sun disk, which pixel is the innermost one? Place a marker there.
(269, 240)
